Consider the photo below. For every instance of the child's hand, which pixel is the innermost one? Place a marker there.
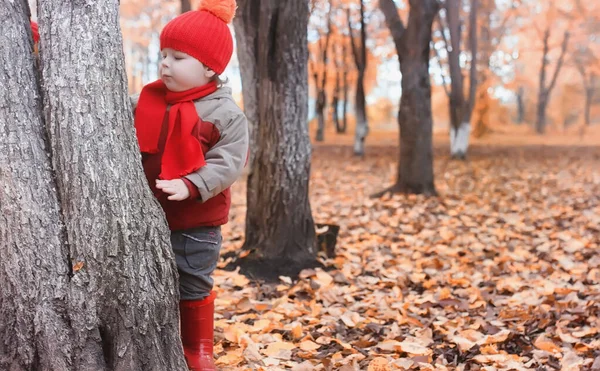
(176, 188)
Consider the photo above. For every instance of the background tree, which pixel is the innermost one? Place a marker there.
(319, 58)
(415, 165)
(460, 107)
(493, 23)
(545, 89)
(186, 6)
(340, 91)
(359, 53)
(100, 287)
(549, 37)
(586, 54)
(272, 48)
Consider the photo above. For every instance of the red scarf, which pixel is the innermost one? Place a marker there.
(182, 153)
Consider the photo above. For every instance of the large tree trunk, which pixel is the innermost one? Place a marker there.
(34, 268)
(246, 36)
(102, 291)
(276, 96)
(415, 166)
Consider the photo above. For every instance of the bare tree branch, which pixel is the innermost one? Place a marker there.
(394, 23)
(439, 60)
(560, 60)
(474, 53)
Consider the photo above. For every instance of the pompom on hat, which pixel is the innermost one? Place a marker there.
(203, 33)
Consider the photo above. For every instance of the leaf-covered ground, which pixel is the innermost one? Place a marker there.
(500, 272)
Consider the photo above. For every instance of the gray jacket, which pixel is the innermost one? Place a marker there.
(226, 159)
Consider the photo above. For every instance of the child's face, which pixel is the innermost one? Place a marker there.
(180, 71)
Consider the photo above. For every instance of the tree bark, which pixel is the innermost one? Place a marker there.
(360, 59)
(34, 268)
(279, 223)
(545, 91)
(415, 166)
(115, 304)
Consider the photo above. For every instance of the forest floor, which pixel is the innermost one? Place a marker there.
(500, 271)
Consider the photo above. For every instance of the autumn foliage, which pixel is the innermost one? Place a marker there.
(500, 271)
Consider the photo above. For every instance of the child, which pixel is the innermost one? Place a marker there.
(194, 143)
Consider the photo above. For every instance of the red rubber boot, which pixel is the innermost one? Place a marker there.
(197, 332)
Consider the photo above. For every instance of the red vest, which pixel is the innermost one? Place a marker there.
(190, 213)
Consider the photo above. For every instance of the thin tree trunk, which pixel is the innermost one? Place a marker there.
(274, 33)
(322, 85)
(520, 105)
(540, 123)
(335, 99)
(415, 166)
(485, 9)
(362, 125)
(457, 101)
(320, 113)
(360, 58)
(186, 6)
(589, 95)
(457, 106)
(461, 108)
(123, 300)
(345, 91)
(545, 91)
(588, 89)
(35, 332)
(474, 47)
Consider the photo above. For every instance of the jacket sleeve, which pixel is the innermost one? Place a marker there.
(225, 161)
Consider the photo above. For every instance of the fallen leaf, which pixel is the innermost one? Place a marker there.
(414, 348)
(323, 278)
(544, 344)
(308, 345)
(379, 364)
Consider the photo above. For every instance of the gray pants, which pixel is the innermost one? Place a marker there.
(196, 253)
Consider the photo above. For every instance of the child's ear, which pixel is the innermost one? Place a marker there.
(209, 73)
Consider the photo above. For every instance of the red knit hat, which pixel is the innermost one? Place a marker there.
(203, 33)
